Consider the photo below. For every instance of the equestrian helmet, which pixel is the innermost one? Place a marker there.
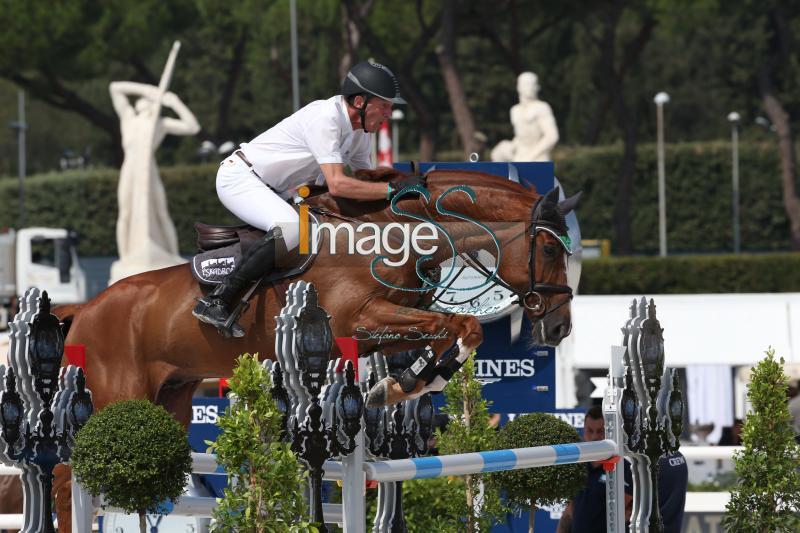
(372, 78)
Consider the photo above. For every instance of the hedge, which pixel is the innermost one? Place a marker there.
(775, 272)
(86, 200)
(698, 198)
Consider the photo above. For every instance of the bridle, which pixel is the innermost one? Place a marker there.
(532, 299)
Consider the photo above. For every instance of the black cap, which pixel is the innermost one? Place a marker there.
(373, 78)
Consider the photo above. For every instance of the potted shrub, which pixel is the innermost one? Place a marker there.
(766, 498)
(534, 487)
(135, 454)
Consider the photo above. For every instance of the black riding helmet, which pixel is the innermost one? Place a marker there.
(371, 79)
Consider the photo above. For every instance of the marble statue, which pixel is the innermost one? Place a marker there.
(535, 130)
(146, 236)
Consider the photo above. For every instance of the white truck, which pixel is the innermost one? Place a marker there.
(39, 257)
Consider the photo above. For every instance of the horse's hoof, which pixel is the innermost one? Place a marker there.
(378, 395)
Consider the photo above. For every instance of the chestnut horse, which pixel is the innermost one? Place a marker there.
(143, 342)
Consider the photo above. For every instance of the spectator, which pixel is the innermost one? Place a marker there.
(587, 512)
(673, 478)
(794, 408)
(732, 435)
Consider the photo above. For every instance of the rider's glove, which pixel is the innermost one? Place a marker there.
(407, 181)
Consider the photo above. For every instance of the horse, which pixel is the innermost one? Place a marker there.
(143, 342)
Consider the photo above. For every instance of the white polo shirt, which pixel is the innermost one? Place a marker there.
(290, 153)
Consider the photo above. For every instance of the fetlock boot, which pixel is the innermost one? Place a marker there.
(216, 307)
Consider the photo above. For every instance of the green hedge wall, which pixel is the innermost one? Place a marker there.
(698, 198)
(699, 211)
(86, 201)
(774, 272)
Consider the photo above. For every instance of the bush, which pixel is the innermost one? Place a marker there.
(86, 201)
(135, 454)
(537, 487)
(265, 478)
(766, 498)
(692, 274)
(698, 181)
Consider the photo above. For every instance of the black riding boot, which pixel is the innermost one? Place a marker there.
(215, 308)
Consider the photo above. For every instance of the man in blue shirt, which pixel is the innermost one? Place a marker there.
(587, 512)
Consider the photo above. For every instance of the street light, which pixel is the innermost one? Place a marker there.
(734, 119)
(661, 99)
(21, 126)
(397, 116)
(293, 39)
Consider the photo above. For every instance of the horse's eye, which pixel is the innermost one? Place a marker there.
(550, 250)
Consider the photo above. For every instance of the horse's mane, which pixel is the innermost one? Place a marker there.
(446, 177)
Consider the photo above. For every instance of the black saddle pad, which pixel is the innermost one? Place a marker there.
(211, 267)
(221, 248)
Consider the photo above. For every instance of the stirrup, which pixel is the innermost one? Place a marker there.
(227, 329)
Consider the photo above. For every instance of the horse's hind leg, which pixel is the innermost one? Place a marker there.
(62, 492)
(418, 327)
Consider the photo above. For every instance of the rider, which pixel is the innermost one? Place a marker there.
(313, 144)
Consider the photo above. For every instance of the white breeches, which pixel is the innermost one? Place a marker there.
(249, 198)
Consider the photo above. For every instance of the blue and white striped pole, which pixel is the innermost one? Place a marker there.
(490, 461)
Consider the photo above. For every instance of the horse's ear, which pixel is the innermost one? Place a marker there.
(552, 196)
(570, 203)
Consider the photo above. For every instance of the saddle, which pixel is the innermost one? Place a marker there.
(219, 249)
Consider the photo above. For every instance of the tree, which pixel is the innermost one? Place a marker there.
(780, 58)
(766, 498)
(446, 52)
(404, 57)
(621, 34)
(51, 50)
(135, 454)
(266, 480)
(469, 431)
(535, 487)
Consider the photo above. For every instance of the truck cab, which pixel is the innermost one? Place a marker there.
(45, 258)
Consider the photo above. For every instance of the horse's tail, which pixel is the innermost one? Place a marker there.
(66, 313)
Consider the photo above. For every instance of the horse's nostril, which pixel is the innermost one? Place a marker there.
(559, 331)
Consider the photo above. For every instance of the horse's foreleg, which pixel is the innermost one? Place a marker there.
(415, 327)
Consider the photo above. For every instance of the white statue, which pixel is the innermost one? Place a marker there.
(146, 236)
(535, 130)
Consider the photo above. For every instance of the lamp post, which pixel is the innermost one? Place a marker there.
(661, 99)
(734, 119)
(49, 402)
(295, 70)
(21, 127)
(397, 116)
(652, 412)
